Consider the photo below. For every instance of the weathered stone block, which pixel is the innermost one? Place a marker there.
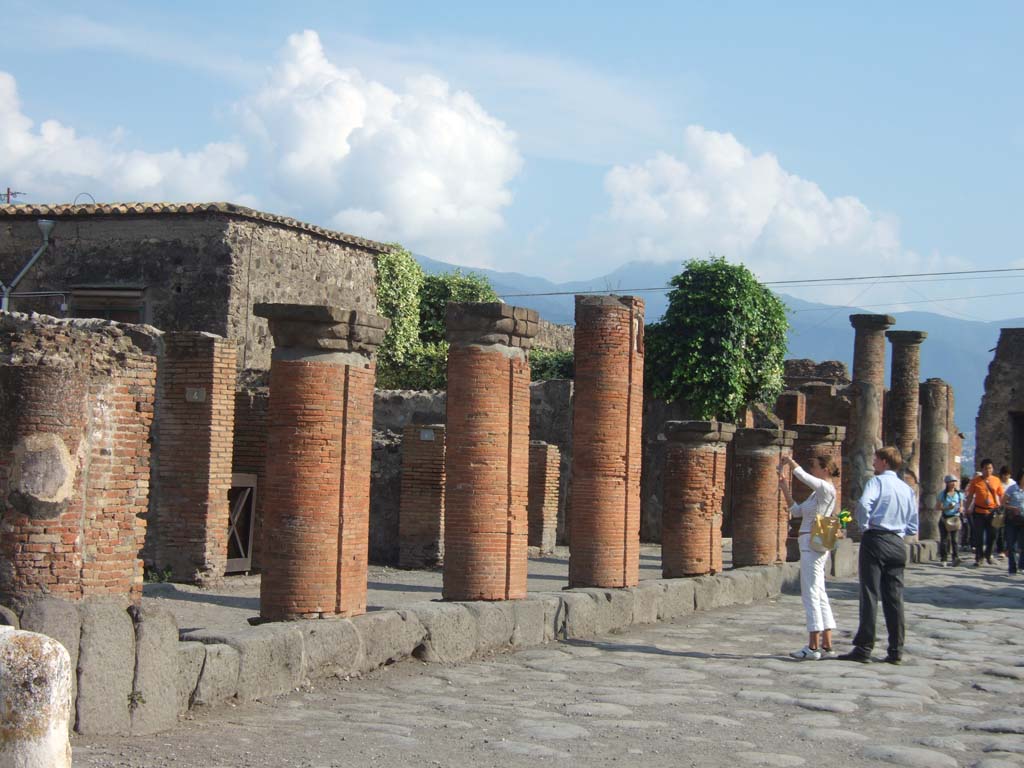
(8, 618)
(711, 592)
(614, 608)
(677, 600)
(106, 666)
(60, 620)
(647, 597)
(843, 560)
(270, 658)
(530, 623)
(218, 680)
(153, 707)
(554, 615)
(494, 624)
(580, 615)
(333, 648)
(451, 632)
(191, 657)
(388, 636)
(741, 585)
(790, 578)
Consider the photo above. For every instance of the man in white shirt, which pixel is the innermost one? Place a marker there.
(886, 512)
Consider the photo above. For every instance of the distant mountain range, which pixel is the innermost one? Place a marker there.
(958, 351)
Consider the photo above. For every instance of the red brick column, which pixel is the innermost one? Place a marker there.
(192, 455)
(904, 399)
(760, 514)
(319, 443)
(791, 407)
(604, 518)
(421, 509)
(864, 435)
(812, 441)
(487, 451)
(935, 438)
(542, 505)
(691, 524)
(76, 409)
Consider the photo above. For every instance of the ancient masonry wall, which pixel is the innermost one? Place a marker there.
(76, 406)
(791, 407)
(1003, 402)
(193, 436)
(249, 454)
(604, 515)
(487, 451)
(421, 515)
(542, 504)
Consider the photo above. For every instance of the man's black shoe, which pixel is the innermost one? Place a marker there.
(856, 655)
(893, 658)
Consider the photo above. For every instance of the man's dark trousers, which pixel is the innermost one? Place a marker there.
(983, 535)
(883, 556)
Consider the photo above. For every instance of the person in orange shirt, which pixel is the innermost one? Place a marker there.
(984, 496)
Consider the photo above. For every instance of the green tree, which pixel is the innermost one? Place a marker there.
(399, 282)
(721, 343)
(438, 290)
(550, 364)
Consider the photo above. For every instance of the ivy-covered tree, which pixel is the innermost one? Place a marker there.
(721, 343)
(438, 290)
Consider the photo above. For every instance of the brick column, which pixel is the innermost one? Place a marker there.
(791, 407)
(487, 452)
(760, 514)
(813, 440)
(421, 508)
(542, 505)
(934, 453)
(604, 517)
(902, 411)
(192, 457)
(691, 522)
(319, 443)
(76, 408)
(864, 436)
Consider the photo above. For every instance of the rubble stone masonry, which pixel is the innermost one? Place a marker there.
(487, 451)
(421, 510)
(319, 445)
(695, 469)
(604, 513)
(76, 406)
(760, 514)
(542, 505)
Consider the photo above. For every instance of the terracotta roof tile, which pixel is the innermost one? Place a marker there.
(27, 210)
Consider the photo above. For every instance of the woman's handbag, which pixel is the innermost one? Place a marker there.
(998, 518)
(952, 522)
(824, 533)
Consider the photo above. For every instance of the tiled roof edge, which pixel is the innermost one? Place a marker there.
(24, 210)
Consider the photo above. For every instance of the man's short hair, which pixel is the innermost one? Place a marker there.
(891, 455)
(986, 462)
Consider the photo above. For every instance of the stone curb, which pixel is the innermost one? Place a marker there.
(274, 659)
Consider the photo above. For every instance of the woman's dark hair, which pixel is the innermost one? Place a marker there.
(828, 463)
(1004, 470)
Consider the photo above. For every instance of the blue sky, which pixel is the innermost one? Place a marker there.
(556, 139)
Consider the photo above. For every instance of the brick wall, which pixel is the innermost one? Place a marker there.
(542, 505)
(76, 408)
(604, 517)
(695, 467)
(249, 453)
(487, 451)
(760, 514)
(791, 407)
(193, 439)
(421, 513)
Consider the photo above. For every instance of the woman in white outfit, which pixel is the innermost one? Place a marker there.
(822, 501)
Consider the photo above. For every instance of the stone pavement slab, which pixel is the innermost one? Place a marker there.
(708, 689)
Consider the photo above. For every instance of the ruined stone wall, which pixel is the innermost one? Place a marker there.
(554, 336)
(421, 510)
(798, 371)
(76, 406)
(551, 422)
(1004, 395)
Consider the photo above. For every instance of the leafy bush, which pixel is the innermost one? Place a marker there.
(438, 290)
(548, 364)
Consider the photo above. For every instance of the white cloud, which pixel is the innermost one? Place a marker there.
(54, 163)
(717, 196)
(425, 165)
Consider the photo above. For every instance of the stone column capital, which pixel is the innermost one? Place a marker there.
(906, 338)
(695, 432)
(322, 329)
(819, 433)
(872, 322)
(753, 439)
(491, 323)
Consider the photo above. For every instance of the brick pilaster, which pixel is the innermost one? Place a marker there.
(604, 516)
(542, 507)
(791, 407)
(487, 451)
(421, 509)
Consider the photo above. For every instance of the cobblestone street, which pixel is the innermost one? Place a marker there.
(713, 689)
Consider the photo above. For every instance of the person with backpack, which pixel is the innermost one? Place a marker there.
(984, 497)
(949, 503)
(1013, 502)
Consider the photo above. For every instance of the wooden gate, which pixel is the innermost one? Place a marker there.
(242, 501)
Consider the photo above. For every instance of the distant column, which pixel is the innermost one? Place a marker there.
(319, 445)
(487, 451)
(604, 519)
(791, 407)
(865, 433)
(691, 525)
(760, 514)
(904, 399)
(934, 453)
(421, 508)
